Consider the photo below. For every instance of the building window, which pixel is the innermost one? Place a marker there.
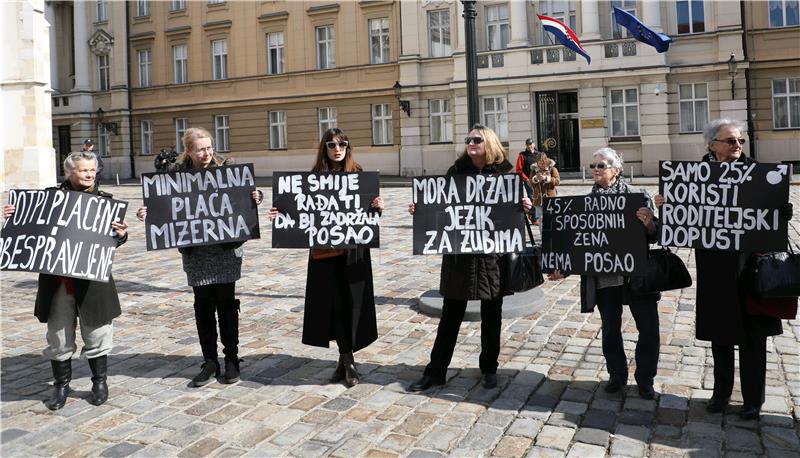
(564, 11)
(381, 124)
(142, 7)
(146, 135)
(379, 41)
(439, 33)
(216, 2)
(441, 120)
(219, 54)
(326, 47)
(691, 17)
(624, 112)
(102, 11)
(277, 130)
(694, 106)
(786, 103)
(104, 73)
(784, 13)
(177, 5)
(617, 30)
(181, 124)
(180, 62)
(327, 119)
(275, 53)
(145, 67)
(495, 115)
(497, 26)
(221, 130)
(104, 141)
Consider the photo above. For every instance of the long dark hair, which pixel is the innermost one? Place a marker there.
(324, 164)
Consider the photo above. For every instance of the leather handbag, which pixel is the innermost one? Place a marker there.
(523, 271)
(665, 271)
(776, 274)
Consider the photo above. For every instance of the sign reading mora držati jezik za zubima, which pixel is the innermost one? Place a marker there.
(726, 206)
(65, 233)
(200, 207)
(468, 213)
(325, 210)
(595, 234)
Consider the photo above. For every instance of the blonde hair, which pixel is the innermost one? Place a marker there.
(495, 152)
(189, 141)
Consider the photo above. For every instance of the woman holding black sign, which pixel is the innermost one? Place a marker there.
(63, 302)
(212, 272)
(720, 312)
(467, 277)
(340, 302)
(609, 293)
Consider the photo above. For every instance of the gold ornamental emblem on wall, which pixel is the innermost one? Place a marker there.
(550, 143)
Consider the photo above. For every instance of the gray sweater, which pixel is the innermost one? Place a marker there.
(212, 264)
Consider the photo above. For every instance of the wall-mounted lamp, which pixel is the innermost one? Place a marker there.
(112, 126)
(659, 91)
(405, 105)
(732, 71)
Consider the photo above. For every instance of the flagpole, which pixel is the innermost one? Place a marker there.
(473, 110)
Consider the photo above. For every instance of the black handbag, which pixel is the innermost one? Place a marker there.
(665, 271)
(776, 274)
(523, 271)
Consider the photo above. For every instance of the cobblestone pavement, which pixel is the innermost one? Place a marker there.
(549, 401)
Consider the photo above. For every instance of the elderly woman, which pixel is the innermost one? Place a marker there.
(609, 293)
(467, 277)
(720, 305)
(212, 272)
(63, 302)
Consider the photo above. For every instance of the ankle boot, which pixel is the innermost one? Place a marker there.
(210, 368)
(99, 368)
(350, 372)
(338, 374)
(231, 370)
(62, 375)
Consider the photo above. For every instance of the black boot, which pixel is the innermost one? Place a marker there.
(350, 372)
(99, 368)
(62, 374)
(210, 368)
(206, 321)
(338, 374)
(229, 335)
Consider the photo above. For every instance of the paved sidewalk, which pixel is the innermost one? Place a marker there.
(550, 400)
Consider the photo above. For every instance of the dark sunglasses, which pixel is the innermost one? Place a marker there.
(333, 145)
(731, 141)
(599, 166)
(473, 140)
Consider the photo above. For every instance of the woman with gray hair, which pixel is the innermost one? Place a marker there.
(609, 293)
(62, 302)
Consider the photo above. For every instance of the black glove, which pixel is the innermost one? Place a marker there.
(786, 212)
(186, 250)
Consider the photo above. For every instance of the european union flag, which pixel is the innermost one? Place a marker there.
(641, 32)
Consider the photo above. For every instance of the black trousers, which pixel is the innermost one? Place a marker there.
(752, 370)
(342, 319)
(446, 335)
(645, 313)
(212, 300)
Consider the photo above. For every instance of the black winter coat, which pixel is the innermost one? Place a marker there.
(97, 302)
(719, 306)
(472, 276)
(324, 281)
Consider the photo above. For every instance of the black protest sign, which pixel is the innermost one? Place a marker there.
(200, 207)
(472, 213)
(596, 234)
(325, 210)
(65, 233)
(727, 206)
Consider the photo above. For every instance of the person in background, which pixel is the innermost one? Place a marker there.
(544, 179)
(340, 300)
(88, 145)
(64, 302)
(525, 160)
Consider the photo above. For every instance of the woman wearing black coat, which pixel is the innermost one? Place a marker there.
(340, 301)
(64, 302)
(468, 277)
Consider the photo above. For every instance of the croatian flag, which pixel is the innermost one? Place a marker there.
(641, 32)
(564, 35)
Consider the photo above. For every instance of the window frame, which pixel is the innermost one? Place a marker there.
(177, 5)
(625, 104)
(499, 23)
(433, 48)
(500, 117)
(382, 35)
(103, 141)
(443, 118)
(181, 64)
(279, 141)
(788, 95)
(783, 14)
(690, 12)
(329, 121)
(222, 132)
(146, 137)
(146, 74)
(617, 31)
(280, 54)
(381, 115)
(101, 10)
(142, 8)
(220, 72)
(329, 41)
(103, 72)
(694, 100)
(179, 132)
(569, 17)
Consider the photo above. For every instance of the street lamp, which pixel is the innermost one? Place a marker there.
(405, 105)
(112, 126)
(471, 55)
(732, 71)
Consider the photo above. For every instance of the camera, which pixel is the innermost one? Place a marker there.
(166, 157)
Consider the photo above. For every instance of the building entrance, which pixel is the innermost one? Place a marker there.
(557, 133)
(64, 147)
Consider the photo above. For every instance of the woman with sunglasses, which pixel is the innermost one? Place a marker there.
(340, 302)
(466, 277)
(609, 293)
(212, 272)
(720, 313)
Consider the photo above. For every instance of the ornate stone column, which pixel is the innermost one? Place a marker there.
(590, 20)
(81, 46)
(519, 23)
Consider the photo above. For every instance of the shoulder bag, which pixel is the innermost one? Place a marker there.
(523, 271)
(776, 274)
(665, 271)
